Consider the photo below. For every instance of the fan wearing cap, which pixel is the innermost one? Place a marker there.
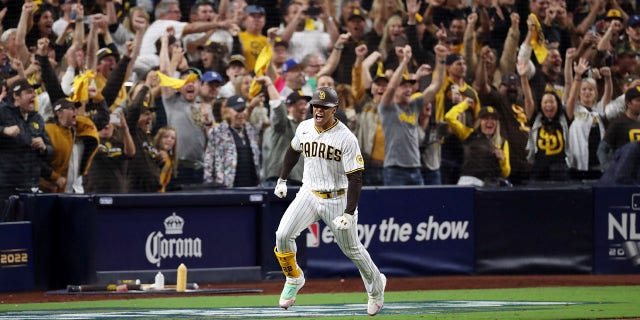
(399, 115)
(210, 86)
(633, 31)
(294, 78)
(108, 172)
(613, 24)
(486, 152)
(622, 130)
(507, 99)
(286, 115)
(24, 144)
(452, 92)
(75, 140)
(145, 167)
(232, 156)
(331, 185)
(251, 38)
(368, 128)
(235, 68)
(185, 114)
(356, 26)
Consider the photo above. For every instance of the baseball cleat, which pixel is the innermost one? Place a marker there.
(374, 305)
(290, 290)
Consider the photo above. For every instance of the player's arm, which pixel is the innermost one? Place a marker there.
(290, 159)
(353, 191)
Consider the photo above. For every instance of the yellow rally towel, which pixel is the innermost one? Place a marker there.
(38, 3)
(260, 69)
(33, 79)
(537, 40)
(166, 81)
(80, 84)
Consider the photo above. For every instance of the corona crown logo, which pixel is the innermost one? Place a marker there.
(173, 224)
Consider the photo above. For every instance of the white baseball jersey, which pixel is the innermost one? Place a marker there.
(329, 155)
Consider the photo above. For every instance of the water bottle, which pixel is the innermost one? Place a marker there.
(159, 282)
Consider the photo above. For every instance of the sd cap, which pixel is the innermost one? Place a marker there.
(105, 52)
(356, 13)
(325, 96)
(632, 93)
(488, 112)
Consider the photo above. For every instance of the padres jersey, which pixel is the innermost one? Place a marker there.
(328, 155)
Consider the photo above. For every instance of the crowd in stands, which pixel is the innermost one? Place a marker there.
(125, 96)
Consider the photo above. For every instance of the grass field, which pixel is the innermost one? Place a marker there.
(611, 302)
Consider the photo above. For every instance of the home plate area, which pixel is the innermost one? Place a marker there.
(396, 308)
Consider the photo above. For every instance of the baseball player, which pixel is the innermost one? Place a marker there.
(331, 185)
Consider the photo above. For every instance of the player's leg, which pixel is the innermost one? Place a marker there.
(299, 215)
(348, 241)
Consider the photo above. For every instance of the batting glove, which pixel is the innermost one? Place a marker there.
(281, 188)
(343, 222)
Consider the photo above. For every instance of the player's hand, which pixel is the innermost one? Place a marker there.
(281, 188)
(343, 222)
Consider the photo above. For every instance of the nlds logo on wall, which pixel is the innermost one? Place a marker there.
(626, 225)
(159, 247)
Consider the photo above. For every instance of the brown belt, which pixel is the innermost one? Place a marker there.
(328, 194)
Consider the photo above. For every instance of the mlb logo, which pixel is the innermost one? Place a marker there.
(313, 236)
(635, 201)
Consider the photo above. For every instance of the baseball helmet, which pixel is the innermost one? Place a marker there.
(325, 96)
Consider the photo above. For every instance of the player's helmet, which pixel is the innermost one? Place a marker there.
(325, 96)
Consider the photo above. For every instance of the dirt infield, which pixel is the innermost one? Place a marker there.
(355, 285)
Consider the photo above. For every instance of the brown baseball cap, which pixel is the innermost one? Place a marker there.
(326, 97)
